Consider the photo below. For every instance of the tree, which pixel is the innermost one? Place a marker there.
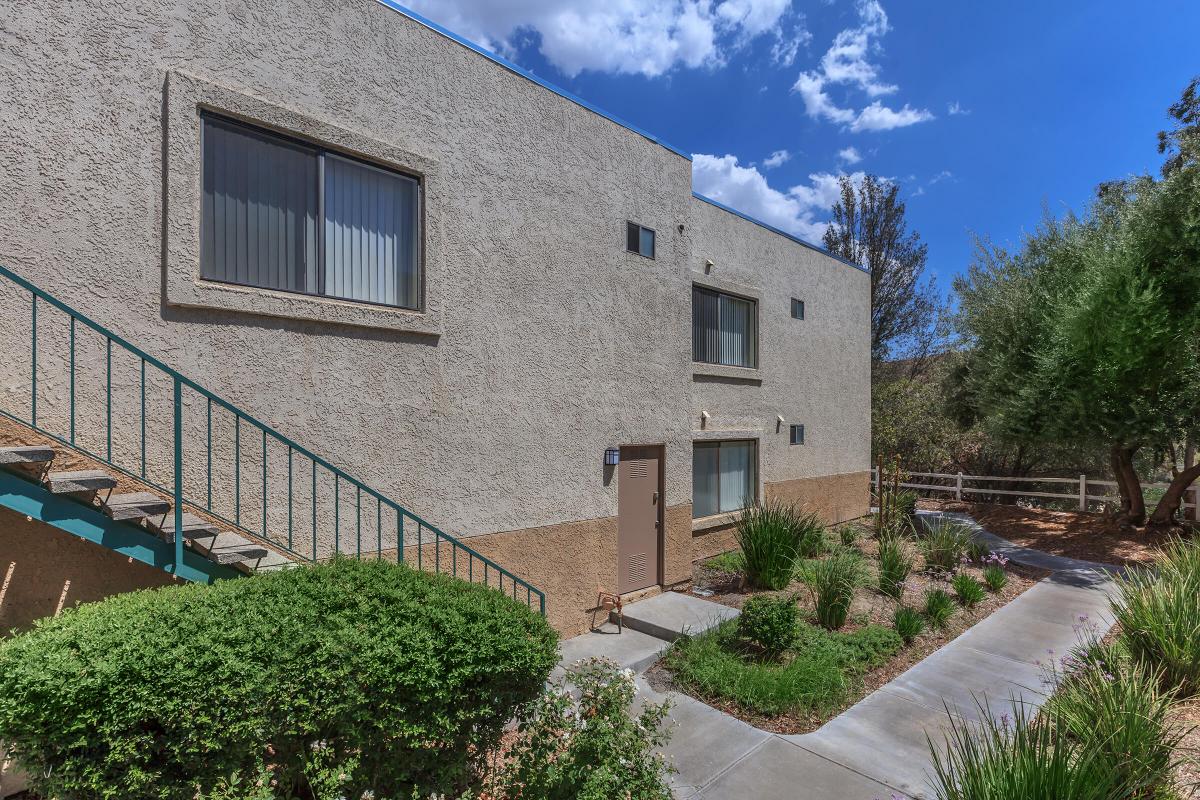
(869, 229)
(1181, 144)
(1090, 333)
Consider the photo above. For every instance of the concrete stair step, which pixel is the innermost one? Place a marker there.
(226, 547)
(671, 614)
(136, 506)
(87, 480)
(26, 455)
(193, 527)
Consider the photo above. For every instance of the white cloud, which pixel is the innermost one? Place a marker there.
(955, 110)
(778, 158)
(847, 62)
(797, 210)
(850, 155)
(941, 176)
(878, 117)
(646, 37)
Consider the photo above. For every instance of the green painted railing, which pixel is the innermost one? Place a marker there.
(196, 453)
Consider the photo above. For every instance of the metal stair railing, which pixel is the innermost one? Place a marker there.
(397, 531)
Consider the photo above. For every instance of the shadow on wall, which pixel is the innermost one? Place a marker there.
(44, 570)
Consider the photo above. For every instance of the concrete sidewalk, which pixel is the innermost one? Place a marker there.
(878, 747)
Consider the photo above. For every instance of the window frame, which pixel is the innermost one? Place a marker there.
(319, 152)
(630, 225)
(754, 322)
(715, 444)
(792, 440)
(796, 302)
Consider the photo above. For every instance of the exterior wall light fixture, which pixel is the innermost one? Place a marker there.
(612, 457)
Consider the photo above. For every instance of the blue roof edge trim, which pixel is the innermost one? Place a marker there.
(524, 73)
(779, 231)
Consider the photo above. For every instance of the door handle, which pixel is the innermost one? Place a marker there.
(654, 501)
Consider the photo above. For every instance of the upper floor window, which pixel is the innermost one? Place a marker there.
(797, 309)
(724, 329)
(286, 215)
(797, 434)
(639, 239)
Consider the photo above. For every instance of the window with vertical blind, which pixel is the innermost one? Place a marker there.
(285, 215)
(724, 476)
(724, 329)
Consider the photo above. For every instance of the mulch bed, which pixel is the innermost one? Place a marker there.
(1091, 537)
(870, 606)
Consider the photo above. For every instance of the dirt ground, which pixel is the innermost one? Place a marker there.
(870, 607)
(1091, 537)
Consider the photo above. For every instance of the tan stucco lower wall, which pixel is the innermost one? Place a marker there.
(836, 498)
(43, 570)
(572, 562)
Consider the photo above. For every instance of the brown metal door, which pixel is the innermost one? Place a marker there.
(639, 517)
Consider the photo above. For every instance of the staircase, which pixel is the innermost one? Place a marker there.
(110, 444)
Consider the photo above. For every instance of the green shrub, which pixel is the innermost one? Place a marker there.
(1014, 756)
(995, 577)
(1106, 704)
(167, 693)
(819, 678)
(590, 749)
(832, 582)
(945, 544)
(866, 648)
(908, 623)
(1159, 615)
(713, 666)
(848, 535)
(769, 622)
(769, 537)
(969, 591)
(901, 505)
(895, 564)
(939, 606)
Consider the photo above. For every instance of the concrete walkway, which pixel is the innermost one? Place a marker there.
(878, 747)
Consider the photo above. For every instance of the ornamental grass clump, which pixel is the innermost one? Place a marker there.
(908, 623)
(813, 541)
(945, 544)
(969, 591)
(939, 606)
(1158, 611)
(995, 577)
(1107, 703)
(895, 565)
(769, 538)
(769, 622)
(1015, 755)
(832, 582)
(398, 679)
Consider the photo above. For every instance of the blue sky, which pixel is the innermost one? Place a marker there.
(985, 112)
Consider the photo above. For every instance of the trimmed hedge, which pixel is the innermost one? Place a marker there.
(401, 676)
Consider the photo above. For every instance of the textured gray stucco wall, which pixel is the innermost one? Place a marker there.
(550, 342)
(814, 372)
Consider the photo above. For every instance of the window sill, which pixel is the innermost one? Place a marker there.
(198, 293)
(750, 374)
(701, 524)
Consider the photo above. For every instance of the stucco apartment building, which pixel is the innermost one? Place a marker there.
(476, 292)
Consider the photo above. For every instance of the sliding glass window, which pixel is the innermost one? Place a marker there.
(284, 215)
(724, 476)
(724, 329)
